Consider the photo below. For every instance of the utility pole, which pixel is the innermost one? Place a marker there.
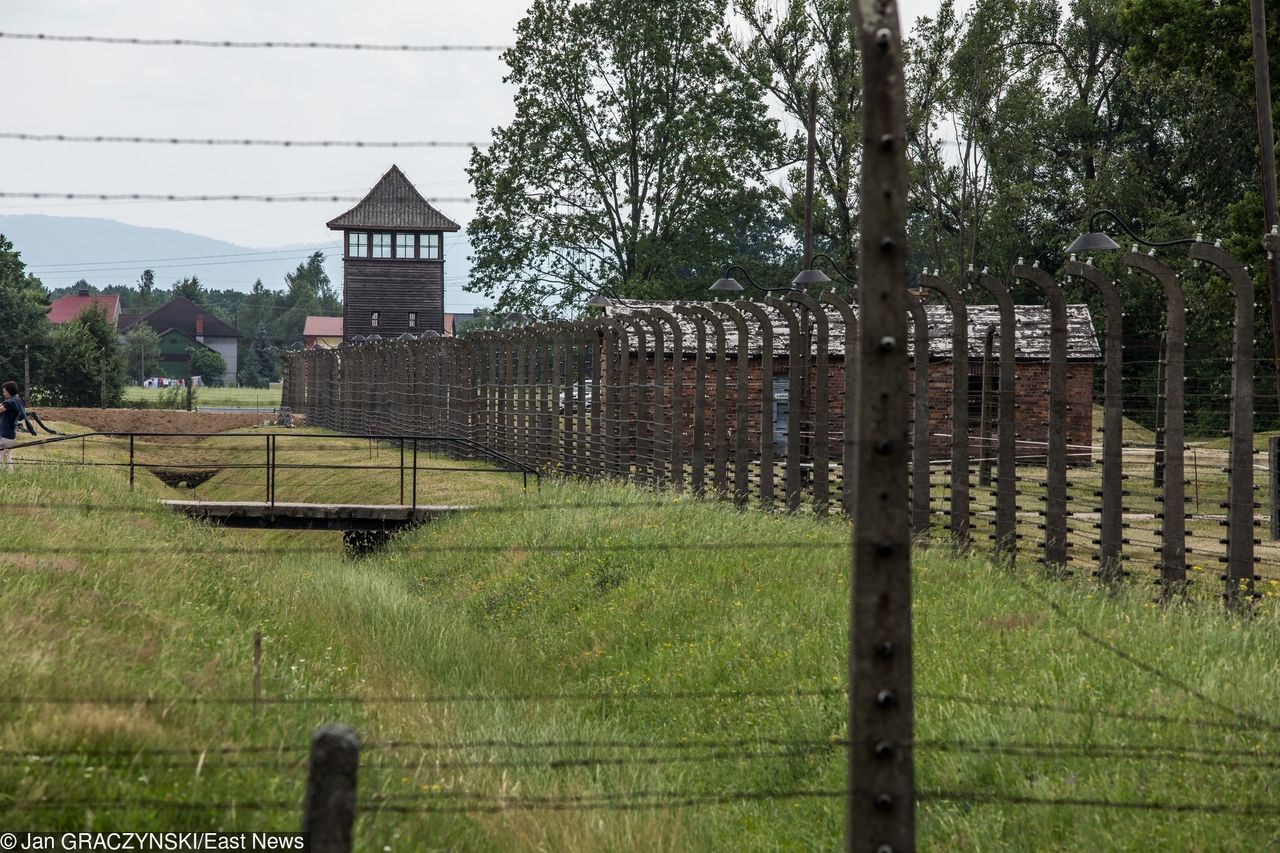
(808, 174)
(26, 369)
(1267, 152)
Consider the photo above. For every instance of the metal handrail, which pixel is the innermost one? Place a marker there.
(271, 466)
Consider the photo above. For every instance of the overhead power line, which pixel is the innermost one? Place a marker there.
(289, 45)
(295, 251)
(235, 197)
(277, 143)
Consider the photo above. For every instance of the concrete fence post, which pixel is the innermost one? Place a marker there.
(1173, 543)
(880, 811)
(1055, 502)
(960, 533)
(1273, 466)
(329, 809)
(1239, 524)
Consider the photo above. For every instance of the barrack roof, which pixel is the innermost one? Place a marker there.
(1031, 329)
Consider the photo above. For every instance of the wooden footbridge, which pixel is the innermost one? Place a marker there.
(312, 516)
(394, 460)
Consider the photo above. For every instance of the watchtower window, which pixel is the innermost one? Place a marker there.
(373, 319)
(430, 247)
(357, 244)
(404, 247)
(381, 245)
(413, 319)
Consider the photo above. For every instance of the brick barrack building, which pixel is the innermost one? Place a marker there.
(1031, 372)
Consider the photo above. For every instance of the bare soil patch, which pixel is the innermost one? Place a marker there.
(151, 420)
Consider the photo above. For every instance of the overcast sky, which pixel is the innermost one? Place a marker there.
(296, 94)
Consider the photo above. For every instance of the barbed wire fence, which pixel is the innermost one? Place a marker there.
(758, 404)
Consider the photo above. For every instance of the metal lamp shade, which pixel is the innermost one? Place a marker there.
(809, 277)
(726, 285)
(598, 301)
(1095, 241)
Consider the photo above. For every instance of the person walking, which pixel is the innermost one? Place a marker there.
(10, 414)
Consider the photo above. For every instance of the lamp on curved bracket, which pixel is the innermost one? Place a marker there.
(728, 284)
(1098, 241)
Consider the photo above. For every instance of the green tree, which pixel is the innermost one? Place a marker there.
(80, 352)
(790, 45)
(258, 366)
(24, 305)
(637, 151)
(309, 293)
(148, 298)
(209, 365)
(190, 288)
(141, 352)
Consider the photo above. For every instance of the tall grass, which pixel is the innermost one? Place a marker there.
(608, 597)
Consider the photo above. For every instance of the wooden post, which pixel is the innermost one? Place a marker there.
(103, 390)
(329, 810)
(26, 369)
(257, 671)
(880, 813)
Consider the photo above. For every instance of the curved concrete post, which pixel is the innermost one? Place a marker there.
(533, 340)
(598, 342)
(659, 444)
(765, 322)
(616, 405)
(677, 394)
(1006, 448)
(984, 406)
(699, 455)
(1111, 524)
(920, 520)
(741, 456)
(570, 370)
(719, 429)
(848, 451)
(641, 442)
(585, 335)
(821, 391)
(1239, 592)
(960, 532)
(1055, 504)
(793, 484)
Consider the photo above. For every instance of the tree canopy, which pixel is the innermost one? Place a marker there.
(24, 305)
(635, 158)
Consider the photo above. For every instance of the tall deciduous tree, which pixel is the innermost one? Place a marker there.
(141, 352)
(81, 351)
(24, 307)
(635, 157)
(792, 44)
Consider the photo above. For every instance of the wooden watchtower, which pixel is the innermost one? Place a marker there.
(393, 261)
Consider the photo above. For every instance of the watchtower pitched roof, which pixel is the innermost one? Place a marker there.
(394, 204)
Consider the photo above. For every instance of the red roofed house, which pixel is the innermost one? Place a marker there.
(67, 308)
(323, 332)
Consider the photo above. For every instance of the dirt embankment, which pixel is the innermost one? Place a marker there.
(148, 420)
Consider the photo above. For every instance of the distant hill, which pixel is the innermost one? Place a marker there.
(60, 250)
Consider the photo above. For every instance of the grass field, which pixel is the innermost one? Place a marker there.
(615, 593)
(262, 398)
